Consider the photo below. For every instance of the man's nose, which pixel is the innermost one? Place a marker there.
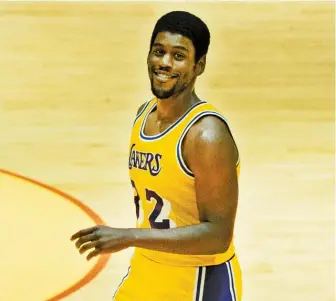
(166, 61)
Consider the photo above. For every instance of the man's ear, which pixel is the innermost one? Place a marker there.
(200, 66)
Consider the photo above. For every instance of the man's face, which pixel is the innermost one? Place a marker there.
(171, 64)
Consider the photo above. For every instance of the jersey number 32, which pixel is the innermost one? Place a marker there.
(158, 218)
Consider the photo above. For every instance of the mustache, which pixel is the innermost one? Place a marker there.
(165, 69)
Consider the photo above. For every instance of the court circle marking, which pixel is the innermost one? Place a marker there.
(102, 261)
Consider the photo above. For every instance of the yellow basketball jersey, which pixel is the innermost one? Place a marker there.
(163, 185)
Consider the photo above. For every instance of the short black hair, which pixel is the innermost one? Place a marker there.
(188, 25)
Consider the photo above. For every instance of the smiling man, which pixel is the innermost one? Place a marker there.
(184, 168)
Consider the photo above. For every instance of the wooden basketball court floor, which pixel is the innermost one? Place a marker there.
(72, 76)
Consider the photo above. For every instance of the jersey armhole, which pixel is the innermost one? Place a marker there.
(179, 155)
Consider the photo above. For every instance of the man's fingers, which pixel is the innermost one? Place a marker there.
(88, 246)
(93, 254)
(83, 232)
(85, 239)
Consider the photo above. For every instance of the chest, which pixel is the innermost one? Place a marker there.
(153, 127)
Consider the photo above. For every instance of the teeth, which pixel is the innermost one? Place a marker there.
(163, 76)
(159, 73)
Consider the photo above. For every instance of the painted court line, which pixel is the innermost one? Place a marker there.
(102, 261)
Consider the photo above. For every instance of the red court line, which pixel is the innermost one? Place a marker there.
(103, 259)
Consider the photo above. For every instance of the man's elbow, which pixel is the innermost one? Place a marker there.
(223, 241)
(224, 245)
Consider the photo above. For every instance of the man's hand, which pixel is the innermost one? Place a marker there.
(102, 239)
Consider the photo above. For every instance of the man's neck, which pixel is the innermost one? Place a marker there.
(170, 109)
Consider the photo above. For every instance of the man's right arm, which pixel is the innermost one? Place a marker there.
(140, 108)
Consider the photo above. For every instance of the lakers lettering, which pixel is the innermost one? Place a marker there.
(145, 161)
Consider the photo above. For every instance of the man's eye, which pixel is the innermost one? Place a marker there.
(179, 56)
(158, 52)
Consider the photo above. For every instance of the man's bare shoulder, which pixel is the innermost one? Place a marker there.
(209, 128)
(210, 132)
(141, 108)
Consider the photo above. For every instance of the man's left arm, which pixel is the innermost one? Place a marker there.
(211, 155)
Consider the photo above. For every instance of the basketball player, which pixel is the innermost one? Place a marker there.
(184, 167)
